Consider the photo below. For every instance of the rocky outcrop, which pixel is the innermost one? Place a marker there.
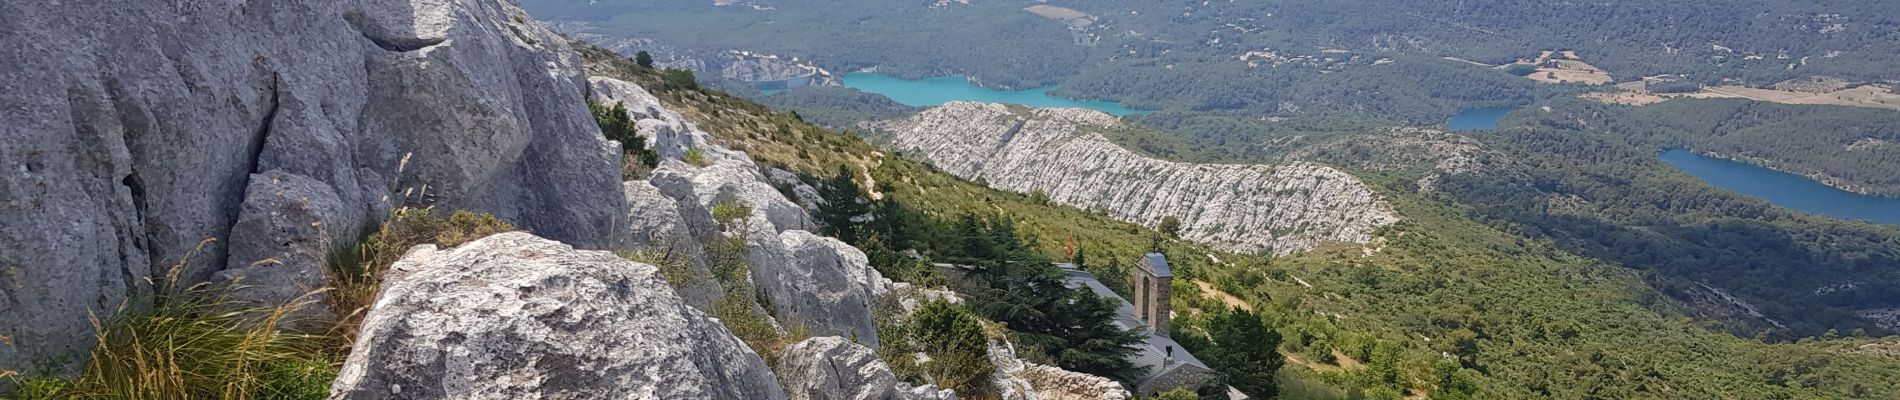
(1277, 209)
(514, 316)
(822, 283)
(286, 224)
(133, 130)
(675, 232)
(1436, 153)
(833, 368)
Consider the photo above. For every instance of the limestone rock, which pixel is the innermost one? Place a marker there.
(833, 368)
(132, 130)
(515, 316)
(288, 226)
(806, 196)
(660, 230)
(1277, 209)
(820, 288)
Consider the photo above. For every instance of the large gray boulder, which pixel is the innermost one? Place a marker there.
(130, 131)
(514, 316)
(833, 368)
(814, 286)
(289, 224)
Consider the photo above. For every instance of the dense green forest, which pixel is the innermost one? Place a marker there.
(835, 107)
(1586, 176)
(1858, 146)
(1298, 60)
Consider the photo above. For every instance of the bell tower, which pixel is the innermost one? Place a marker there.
(1154, 283)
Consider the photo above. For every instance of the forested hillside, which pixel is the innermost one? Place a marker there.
(1586, 176)
(1452, 305)
(1855, 148)
(1301, 62)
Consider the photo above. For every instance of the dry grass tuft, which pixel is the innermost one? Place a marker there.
(185, 342)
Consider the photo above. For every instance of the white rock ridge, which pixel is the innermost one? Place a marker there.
(513, 316)
(1276, 209)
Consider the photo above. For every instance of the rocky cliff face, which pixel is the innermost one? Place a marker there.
(1276, 209)
(513, 316)
(132, 131)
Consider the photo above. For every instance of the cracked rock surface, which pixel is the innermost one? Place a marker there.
(514, 316)
(132, 130)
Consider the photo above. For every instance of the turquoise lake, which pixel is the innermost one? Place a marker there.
(1478, 119)
(930, 92)
(1785, 189)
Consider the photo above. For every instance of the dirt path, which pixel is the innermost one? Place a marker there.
(1210, 291)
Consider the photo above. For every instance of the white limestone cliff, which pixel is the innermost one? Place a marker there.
(1278, 209)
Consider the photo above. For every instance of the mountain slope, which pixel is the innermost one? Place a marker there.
(1450, 306)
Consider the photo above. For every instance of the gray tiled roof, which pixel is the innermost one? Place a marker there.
(1160, 264)
(1152, 350)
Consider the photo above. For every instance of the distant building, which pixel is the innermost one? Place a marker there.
(1167, 366)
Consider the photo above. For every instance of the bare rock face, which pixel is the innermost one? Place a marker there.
(674, 232)
(288, 227)
(515, 316)
(833, 368)
(132, 131)
(820, 287)
(1277, 209)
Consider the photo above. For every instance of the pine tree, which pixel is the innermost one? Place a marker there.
(843, 206)
(645, 60)
(1114, 276)
(1246, 352)
(1170, 226)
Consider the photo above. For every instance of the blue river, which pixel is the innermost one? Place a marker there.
(1478, 119)
(930, 92)
(1785, 189)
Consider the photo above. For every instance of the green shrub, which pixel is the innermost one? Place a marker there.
(675, 272)
(1178, 394)
(696, 157)
(637, 158)
(954, 339)
(679, 79)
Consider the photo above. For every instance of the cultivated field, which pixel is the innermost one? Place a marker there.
(1875, 96)
(1074, 18)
